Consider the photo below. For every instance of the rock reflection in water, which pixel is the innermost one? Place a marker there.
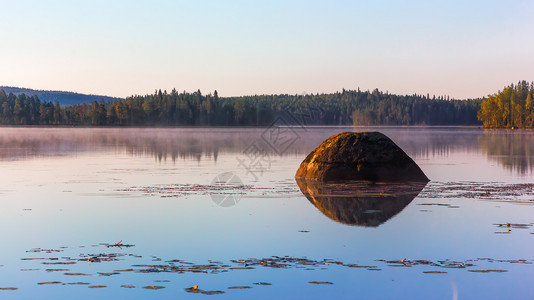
(359, 203)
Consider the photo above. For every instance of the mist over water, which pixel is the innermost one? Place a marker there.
(514, 150)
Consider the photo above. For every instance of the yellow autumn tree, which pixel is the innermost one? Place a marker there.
(510, 108)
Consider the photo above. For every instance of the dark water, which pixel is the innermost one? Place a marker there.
(219, 208)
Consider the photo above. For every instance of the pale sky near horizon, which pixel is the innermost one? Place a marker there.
(465, 49)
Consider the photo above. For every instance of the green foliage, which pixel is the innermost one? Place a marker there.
(511, 107)
(24, 110)
(195, 109)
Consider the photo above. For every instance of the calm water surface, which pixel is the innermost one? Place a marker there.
(123, 209)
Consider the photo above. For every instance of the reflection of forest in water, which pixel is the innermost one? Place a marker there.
(428, 143)
(164, 144)
(514, 150)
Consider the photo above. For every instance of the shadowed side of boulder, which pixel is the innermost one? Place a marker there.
(369, 156)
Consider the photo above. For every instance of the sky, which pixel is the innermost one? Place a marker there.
(464, 49)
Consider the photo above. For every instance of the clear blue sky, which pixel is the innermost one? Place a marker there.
(118, 48)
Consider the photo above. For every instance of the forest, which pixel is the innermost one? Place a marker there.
(512, 107)
(348, 107)
(64, 98)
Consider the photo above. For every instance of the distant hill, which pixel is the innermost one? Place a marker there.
(64, 98)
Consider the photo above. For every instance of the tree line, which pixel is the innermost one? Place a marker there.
(513, 107)
(28, 110)
(348, 107)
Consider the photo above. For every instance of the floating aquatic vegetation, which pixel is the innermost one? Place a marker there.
(153, 287)
(478, 265)
(441, 263)
(76, 274)
(183, 190)
(107, 274)
(212, 292)
(514, 226)
(359, 266)
(320, 282)
(491, 191)
(8, 288)
(488, 271)
(439, 204)
(509, 226)
(97, 286)
(57, 270)
(48, 282)
(435, 272)
(512, 261)
(39, 250)
(102, 257)
(195, 290)
(119, 245)
(125, 270)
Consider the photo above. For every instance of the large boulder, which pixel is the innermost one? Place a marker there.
(369, 156)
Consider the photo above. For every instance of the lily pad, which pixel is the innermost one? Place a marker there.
(321, 282)
(49, 282)
(434, 272)
(76, 274)
(153, 287)
(488, 271)
(108, 274)
(212, 292)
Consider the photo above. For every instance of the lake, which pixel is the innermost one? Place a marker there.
(116, 213)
